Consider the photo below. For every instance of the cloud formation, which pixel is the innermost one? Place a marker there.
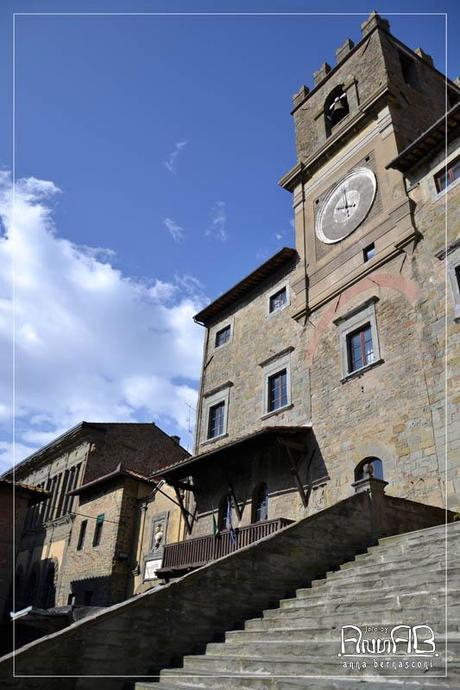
(217, 227)
(91, 343)
(170, 164)
(175, 230)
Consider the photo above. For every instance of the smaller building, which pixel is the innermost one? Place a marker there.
(80, 545)
(15, 500)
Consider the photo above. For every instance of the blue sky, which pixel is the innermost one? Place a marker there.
(165, 137)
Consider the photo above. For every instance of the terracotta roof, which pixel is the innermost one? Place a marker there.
(120, 471)
(182, 468)
(431, 141)
(35, 492)
(246, 285)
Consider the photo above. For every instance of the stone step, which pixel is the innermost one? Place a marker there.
(398, 601)
(384, 616)
(369, 568)
(307, 633)
(241, 682)
(319, 595)
(398, 579)
(284, 665)
(411, 545)
(328, 647)
(367, 598)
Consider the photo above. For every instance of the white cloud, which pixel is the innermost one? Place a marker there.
(175, 230)
(10, 454)
(172, 160)
(278, 236)
(217, 228)
(91, 343)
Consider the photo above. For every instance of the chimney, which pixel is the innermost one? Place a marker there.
(176, 439)
(372, 21)
(343, 50)
(425, 57)
(321, 73)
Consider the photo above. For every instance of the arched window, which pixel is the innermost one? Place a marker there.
(335, 108)
(369, 467)
(260, 503)
(224, 507)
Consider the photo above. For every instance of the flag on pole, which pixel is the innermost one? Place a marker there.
(228, 520)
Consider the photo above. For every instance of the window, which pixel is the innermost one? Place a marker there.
(81, 536)
(358, 339)
(260, 503)
(369, 252)
(223, 336)
(408, 69)
(369, 467)
(215, 411)
(360, 348)
(335, 108)
(277, 391)
(216, 420)
(98, 530)
(447, 176)
(278, 300)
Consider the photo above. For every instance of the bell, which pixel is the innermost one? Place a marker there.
(338, 107)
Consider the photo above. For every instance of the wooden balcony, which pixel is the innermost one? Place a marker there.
(183, 556)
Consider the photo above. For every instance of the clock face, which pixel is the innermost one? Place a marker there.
(346, 206)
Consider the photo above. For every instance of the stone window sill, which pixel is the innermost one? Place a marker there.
(272, 413)
(359, 372)
(213, 440)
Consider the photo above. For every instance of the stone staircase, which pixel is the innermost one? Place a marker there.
(401, 581)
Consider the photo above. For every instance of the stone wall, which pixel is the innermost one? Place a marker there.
(147, 632)
(257, 336)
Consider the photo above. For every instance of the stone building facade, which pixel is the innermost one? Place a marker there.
(97, 473)
(328, 362)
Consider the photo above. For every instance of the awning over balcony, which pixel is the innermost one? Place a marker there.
(294, 437)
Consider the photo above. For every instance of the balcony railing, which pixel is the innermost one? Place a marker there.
(193, 553)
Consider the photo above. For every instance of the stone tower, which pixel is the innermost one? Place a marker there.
(359, 115)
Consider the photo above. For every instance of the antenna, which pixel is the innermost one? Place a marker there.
(191, 412)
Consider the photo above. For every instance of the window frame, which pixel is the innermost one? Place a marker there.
(369, 252)
(228, 326)
(361, 331)
(82, 535)
(349, 323)
(98, 527)
(453, 271)
(279, 288)
(444, 170)
(276, 366)
(218, 422)
(210, 401)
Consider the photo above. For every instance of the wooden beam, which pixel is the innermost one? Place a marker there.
(186, 487)
(239, 511)
(295, 474)
(183, 510)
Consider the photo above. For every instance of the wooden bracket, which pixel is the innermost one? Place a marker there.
(184, 511)
(239, 511)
